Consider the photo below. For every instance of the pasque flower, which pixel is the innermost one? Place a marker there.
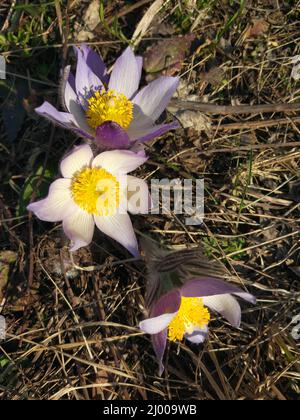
(96, 191)
(182, 309)
(110, 110)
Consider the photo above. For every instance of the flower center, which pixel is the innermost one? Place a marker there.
(109, 106)
(192, 314)
(96, 191)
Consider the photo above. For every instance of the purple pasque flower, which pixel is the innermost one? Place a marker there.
(92, 192)
(184, 312)
(182, 287)
(110, 110)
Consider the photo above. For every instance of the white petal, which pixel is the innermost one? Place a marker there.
(138, 196)
(247, 297)
(79, 228)
(119, 228)
(154, 98)
(119, 161)
(227, 306)
(157, 324)
(54, 207)
(126, 74)
(80, 156)
(198, 336)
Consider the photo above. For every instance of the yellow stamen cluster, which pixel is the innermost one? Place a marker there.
(96, 191)
(109, 106)
(192, 314)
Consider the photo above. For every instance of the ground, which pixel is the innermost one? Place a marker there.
(72, 325)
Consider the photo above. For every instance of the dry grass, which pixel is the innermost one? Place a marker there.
(72, 325)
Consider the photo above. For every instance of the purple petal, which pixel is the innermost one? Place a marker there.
(86, 80)
(227, 306)
(54, 207)
(209, 286)
(79, 116)
(67, 76)
(119, 228)
(67, 91)
(82, 133)
(159, 342)
(76, 110)
(126, 74)
(168, 303)
(94, 61)
(143, 135)
(70, 97)
(154, 98)
(62, 118)
(198, 336)
(112, 136)
(75, 122)
(72, 104)
(71, 81)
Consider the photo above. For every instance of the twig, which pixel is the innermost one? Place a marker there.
(146, 21)
(59, 17)
(257, 124)
(234, 110)
(107, 332)
(291, 144)
(65, 34)
(6, 23)
(128, 9)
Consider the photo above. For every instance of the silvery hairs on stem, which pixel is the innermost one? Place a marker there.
(169, 269)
